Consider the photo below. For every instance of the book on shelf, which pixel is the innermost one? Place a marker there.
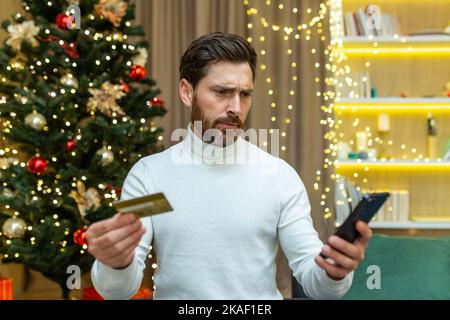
(359, 23)
(347, 195)
(446, 153)
(396, 208)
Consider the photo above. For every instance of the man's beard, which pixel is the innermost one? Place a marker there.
(228, 135)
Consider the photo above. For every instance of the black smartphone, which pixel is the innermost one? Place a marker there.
(364, 211)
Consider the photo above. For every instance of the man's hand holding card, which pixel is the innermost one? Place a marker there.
(113, 241)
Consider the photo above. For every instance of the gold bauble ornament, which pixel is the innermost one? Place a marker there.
(36, 121)
(118, 36)
(17, 65)
(107, 156)
(14, 228)
(69, 80)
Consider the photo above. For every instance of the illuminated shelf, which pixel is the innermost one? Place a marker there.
(396, 165)
(394, 64)
(393, 105)
(403, 45)
(410, 225)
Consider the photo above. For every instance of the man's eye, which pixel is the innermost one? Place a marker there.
(246, 94)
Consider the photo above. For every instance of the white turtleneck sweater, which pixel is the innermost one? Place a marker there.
(231, 207)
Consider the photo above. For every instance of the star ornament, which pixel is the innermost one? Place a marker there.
(141, 58)
(85, 199)
(113, 10)
(105, 99)
(25, 31)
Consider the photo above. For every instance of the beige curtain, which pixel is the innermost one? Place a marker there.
(171, 25)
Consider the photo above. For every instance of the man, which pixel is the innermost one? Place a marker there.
(221, 239)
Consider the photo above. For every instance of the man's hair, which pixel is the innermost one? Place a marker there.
(213, 48)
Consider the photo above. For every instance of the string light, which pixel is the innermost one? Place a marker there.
(336, 66)
(288, 30)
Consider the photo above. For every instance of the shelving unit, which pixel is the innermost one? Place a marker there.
(409, 73)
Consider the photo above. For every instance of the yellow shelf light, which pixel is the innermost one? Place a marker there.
(393, 105)
(408, 166)
(430, 219)
(396, 46)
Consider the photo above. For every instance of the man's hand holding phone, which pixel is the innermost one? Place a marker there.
(345, 256)
(345, 250)
(113, 241)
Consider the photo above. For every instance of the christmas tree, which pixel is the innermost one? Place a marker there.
(77, 111)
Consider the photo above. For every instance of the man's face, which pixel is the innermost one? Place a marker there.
(222, 99)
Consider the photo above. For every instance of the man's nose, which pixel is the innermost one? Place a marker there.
(234, 105)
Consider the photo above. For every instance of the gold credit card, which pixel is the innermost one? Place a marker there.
(145, 206)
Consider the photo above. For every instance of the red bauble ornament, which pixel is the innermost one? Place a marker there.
(156, 102)
(71, 144)
(138, 73)
(118, 191)
(125, 87)
(79, 236)
(61, 20)
(37, 165)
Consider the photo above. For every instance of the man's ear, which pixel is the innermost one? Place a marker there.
(186, 93)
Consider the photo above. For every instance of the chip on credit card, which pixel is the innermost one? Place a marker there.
(145, 206)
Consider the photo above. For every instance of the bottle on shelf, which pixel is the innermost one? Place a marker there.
(343, 150)
(361, 141)
(384, 126)
(432, 132)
